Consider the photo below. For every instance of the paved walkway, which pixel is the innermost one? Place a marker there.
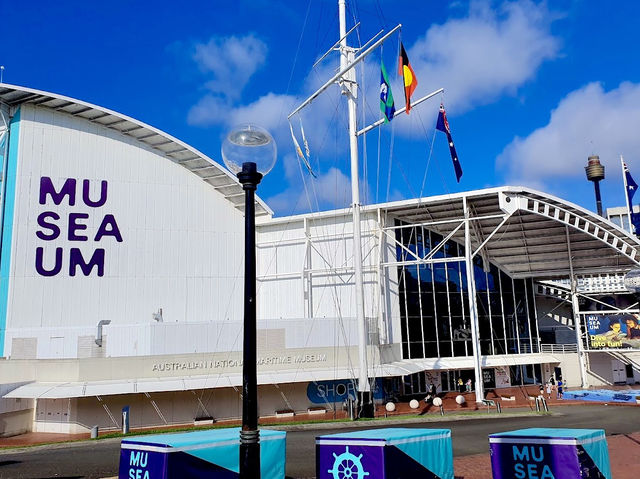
(512, 398)
(624, 453)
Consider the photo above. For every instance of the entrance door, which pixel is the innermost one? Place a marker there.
(619, 372)
(57, 346)
(557, 372)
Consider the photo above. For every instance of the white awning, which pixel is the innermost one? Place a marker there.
(61, 390)
(410, 366)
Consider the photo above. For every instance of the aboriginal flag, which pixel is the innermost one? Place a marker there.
(406, 71)
(443, 125)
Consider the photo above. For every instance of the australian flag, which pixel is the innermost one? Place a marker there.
(443, 125)
(632, 187)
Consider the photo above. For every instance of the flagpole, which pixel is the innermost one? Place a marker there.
(346, 78)
(626, 196)
(350, 90)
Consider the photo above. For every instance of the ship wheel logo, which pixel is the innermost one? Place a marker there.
(347, 466)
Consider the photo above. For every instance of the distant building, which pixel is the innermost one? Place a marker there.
(618, 215)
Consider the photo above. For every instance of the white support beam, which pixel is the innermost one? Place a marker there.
(584, 382)
(488, 238)
(453, 259)
(473, 307)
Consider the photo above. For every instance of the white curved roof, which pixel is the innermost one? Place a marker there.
(526, 232)
(168, 146)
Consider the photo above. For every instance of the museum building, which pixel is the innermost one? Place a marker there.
(121, 284)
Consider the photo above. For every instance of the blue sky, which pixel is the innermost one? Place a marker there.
(531, 88)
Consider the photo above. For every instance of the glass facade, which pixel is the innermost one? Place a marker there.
(434, 302)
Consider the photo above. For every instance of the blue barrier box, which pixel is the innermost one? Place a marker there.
(211, 453)
(390, 453)
(545, 453)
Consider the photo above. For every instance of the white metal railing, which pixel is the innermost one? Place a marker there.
(525, 347)
(559, 348)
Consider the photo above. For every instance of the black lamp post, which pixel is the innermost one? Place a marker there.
(250, 152)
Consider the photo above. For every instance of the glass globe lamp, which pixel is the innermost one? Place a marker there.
(249, 144)
(249, 151)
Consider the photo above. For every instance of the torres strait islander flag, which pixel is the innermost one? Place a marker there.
(408, 75)
(386, 97)
(443, 125)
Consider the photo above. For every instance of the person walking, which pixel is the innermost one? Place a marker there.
(469, 385)
(560, 389)
(431, 394)
(549, 389)
(460, 385)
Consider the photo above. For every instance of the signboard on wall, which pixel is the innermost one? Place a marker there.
(503, 378)
(612, 331)
(84, 201)
(433, 377)
(489, 378)
(322, 392)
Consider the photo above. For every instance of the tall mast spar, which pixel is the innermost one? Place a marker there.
(346, 78)
(350, 90)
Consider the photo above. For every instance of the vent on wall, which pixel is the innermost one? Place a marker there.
(87, 347)
(24, 348)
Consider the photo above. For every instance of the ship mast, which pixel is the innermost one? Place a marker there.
(349, 88)
(346, 78)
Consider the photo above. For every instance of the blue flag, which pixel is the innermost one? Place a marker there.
(443, 125)
(386, 97)
(632, 187)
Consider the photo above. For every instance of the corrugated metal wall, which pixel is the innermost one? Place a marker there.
(181, 246)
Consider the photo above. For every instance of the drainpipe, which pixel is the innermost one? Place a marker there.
(101, 323)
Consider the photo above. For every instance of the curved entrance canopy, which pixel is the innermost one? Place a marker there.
(525, 232)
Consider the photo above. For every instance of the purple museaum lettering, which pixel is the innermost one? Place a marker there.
(51, 262)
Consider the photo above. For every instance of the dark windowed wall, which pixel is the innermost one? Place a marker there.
(434, 302)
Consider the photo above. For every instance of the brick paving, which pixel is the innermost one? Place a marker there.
(624, 454)
(624, 450)
(521, 398)
(35, 438)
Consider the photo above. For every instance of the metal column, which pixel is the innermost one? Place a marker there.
(473, 307)
(584, 383)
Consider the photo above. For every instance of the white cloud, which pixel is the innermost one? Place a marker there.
(477, 58)
(589, 120)
(269, 111)
(489, 53)
(210, 110)
(330, 190)
(232, 61)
